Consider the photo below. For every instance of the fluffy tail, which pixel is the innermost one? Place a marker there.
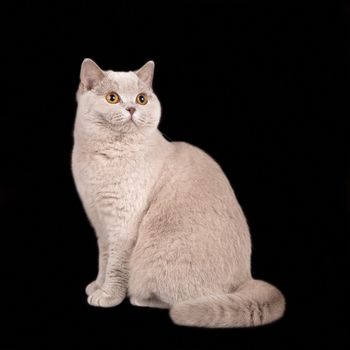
(253, 304)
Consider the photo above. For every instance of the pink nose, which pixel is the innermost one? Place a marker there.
(131, 110)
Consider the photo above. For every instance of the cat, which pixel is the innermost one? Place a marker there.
(169, 229)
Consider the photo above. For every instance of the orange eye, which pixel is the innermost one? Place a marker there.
(142, 99)
(112, 97)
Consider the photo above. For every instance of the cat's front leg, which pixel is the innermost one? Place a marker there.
(114, 288)
(102, 265)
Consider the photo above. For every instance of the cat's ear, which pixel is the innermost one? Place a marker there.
(90, 74)
(145, 73)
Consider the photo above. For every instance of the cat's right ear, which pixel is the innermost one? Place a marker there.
(90, 74)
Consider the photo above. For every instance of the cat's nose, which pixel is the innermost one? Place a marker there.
(131, 110)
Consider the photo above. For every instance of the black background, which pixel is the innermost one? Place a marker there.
(261, 89)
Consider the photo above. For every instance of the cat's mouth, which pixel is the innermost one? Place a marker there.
(132, 120)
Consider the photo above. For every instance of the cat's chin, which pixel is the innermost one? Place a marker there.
(128, 128)
(119, 127)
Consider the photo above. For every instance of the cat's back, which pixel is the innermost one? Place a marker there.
(193, 167)
(191, 155)
(193, 181)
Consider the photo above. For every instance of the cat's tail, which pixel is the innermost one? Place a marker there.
(253, 304)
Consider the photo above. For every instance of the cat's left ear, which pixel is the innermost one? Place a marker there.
(145, 73)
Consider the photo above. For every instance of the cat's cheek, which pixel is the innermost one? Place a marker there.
(103, 108)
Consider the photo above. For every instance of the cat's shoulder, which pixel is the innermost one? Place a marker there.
(191, 153)
(187, 148)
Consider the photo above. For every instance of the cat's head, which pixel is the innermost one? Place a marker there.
(120, 102)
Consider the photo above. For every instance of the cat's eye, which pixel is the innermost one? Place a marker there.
(112, 97)
(142, 99)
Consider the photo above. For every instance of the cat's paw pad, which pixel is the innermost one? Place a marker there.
(91, 287)
(103, 299)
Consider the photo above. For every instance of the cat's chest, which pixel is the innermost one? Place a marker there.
(99, 176)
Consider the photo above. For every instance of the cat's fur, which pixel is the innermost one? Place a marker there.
(170, 231)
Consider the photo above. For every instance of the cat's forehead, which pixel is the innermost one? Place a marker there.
(120, 82)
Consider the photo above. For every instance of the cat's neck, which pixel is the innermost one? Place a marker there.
(127, 145)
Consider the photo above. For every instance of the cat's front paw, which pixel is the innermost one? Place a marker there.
(103, 298)
(91, 287)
